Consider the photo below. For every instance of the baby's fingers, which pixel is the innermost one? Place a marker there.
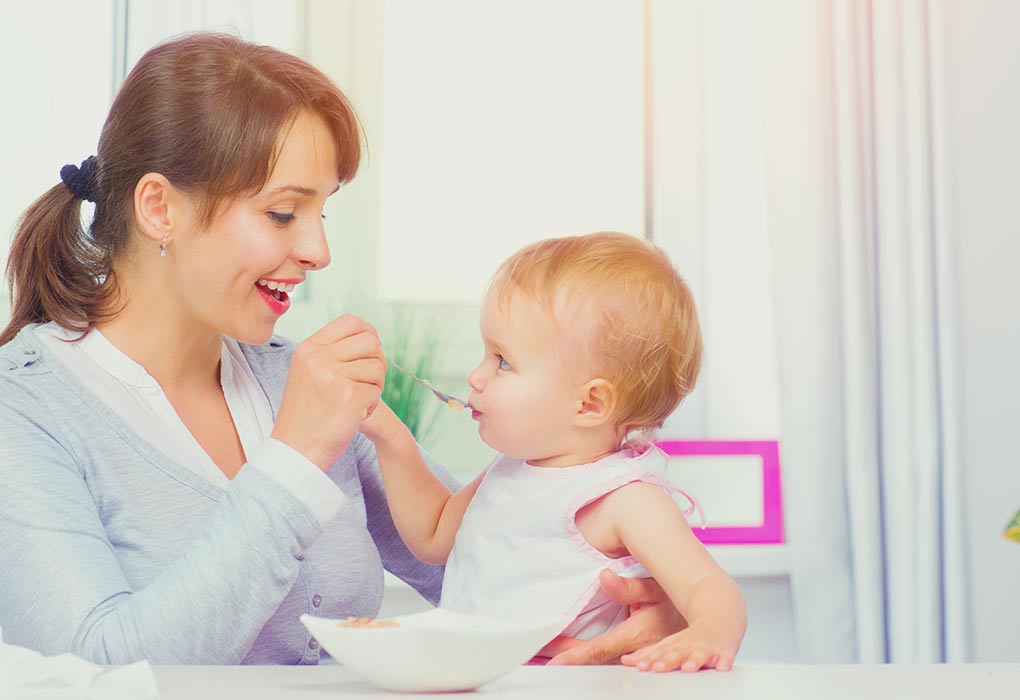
(642, 658)
(686, 655)
(698, 659)
(724, 662)
(664, 655)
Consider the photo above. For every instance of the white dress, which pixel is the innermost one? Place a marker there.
(518, 553)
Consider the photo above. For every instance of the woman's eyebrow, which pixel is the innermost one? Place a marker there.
(306, 191)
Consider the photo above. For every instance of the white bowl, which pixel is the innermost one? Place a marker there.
(433, 651)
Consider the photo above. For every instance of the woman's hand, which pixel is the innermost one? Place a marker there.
(334, 383)
(652, 618)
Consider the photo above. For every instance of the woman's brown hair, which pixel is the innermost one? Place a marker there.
(206, 111)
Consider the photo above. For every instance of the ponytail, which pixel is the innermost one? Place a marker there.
(55, 271)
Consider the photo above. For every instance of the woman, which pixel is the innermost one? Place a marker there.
(180, 485)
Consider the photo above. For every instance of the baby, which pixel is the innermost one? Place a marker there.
(589, 341)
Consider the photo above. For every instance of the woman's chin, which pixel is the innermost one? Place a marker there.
(254, 336)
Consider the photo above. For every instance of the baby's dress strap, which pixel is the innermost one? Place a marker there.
(659, 478)
(667, 485)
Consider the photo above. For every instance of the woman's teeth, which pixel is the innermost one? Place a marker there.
(282, 286)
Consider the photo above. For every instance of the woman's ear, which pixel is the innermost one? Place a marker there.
(158, 207)
(596, 403)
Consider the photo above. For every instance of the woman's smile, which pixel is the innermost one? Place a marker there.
(276, 293)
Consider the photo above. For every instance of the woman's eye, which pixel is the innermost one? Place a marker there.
(503, 365)
(281, 218)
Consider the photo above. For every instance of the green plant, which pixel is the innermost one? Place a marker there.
(415, 349)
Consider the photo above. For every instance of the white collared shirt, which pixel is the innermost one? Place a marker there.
(137, 398)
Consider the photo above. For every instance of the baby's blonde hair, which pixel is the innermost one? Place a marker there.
(642, 333)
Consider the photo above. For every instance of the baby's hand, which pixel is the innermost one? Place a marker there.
(699, 646)
(382, 424)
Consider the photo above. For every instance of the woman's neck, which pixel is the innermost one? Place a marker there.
(171, 352)
(174, 347)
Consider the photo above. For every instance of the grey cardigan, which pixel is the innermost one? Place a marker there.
(114, 552)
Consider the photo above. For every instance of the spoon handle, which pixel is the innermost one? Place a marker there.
(451, 401)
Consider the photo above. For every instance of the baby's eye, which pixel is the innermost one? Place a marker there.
(280, 217)
(503, 365)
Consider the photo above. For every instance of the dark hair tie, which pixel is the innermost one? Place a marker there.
(79, 178)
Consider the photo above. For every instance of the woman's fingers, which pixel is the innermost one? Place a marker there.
(630, 591)
(603, 649)
(365, 371)
(334, 383)
(559, 645)
(356, 346)
(652, 617)
(340, 328)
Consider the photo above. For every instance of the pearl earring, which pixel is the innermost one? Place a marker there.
(162, 248)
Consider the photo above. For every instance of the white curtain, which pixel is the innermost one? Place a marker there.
(863, 293)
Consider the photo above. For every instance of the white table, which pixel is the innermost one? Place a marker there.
(758, 681)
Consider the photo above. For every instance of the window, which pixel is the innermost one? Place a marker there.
(55, 100)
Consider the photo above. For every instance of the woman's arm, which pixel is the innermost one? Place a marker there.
(425, 511)
(62, 588)
(61, 585)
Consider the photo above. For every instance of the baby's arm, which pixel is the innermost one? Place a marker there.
(424, 510)
(653, 529)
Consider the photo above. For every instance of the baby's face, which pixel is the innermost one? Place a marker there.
(523, 393)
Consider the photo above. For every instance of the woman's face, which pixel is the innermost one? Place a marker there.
(226, 274)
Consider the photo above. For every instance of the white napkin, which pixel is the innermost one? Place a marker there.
(25, 673)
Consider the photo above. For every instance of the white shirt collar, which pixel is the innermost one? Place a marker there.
(114, 362)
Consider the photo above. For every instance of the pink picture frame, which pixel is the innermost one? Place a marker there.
(770, 531)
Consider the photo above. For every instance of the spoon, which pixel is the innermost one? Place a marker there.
(451, 401)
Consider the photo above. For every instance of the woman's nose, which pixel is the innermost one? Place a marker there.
(312, 251)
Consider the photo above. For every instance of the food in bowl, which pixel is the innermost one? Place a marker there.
(367, 622)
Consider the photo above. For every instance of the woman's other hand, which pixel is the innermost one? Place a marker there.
(335, 380)
(652, 618)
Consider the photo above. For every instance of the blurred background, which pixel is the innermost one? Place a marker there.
(833, 177)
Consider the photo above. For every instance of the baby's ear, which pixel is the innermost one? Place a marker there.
(596, 403)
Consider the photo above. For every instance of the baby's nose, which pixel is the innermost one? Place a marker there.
(474, 378)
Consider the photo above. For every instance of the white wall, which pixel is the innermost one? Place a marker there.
(503, 124)
(983, 141)
(51, 109)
